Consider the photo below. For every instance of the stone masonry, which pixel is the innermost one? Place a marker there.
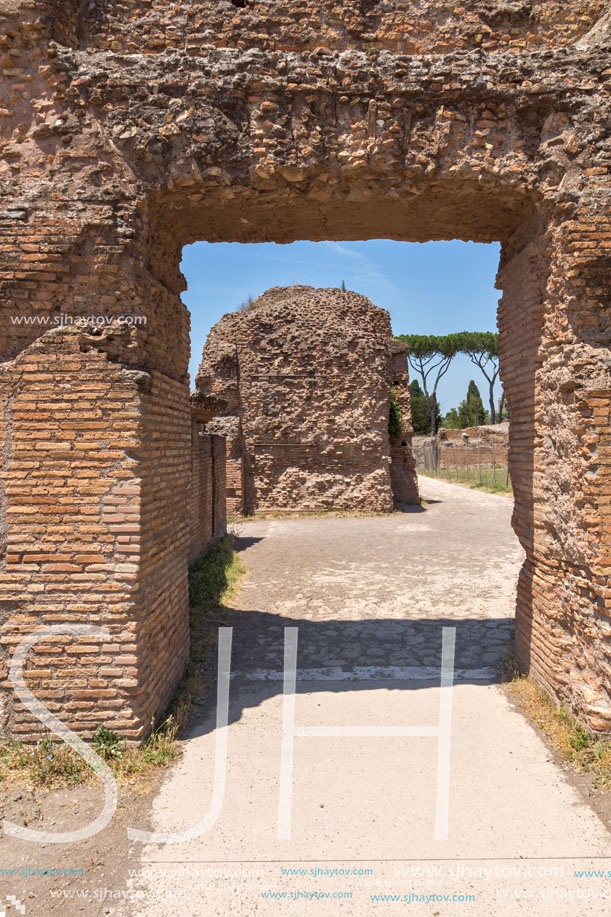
(308, 375)
(129, 128)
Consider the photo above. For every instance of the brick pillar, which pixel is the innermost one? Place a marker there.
(72, 518)
(555, 323)
(95, 437)
(207, 490)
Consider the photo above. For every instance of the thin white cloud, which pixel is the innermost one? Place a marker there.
(339, 249)
(358, 267)
(363, 268)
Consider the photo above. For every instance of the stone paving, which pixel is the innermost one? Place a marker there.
(371, 597)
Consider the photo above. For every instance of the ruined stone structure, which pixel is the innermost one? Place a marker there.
(129, 128)
(307, 375)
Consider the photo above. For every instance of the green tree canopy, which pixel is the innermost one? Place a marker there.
(482, 348)
(451, 420)
(414, 389)
(421, 418)
(430, 356)
(471, 411)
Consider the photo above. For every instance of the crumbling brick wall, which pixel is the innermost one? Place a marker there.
(307, 374)
(403, 477)
(125, 136)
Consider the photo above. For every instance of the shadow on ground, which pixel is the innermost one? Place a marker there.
(336, 656)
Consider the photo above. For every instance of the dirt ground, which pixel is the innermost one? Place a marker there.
(369, 597)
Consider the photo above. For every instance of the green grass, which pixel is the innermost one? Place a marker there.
(583, 751)
(212, 581)
(213, 578)
(502, 485)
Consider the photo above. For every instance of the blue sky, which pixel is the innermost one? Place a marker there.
(430, 288)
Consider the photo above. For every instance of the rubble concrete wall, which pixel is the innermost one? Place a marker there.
(429, 27)
(308, 375)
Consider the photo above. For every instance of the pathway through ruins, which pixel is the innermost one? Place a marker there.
(370, 597)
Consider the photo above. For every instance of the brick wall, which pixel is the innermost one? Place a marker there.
(403, 477)
(229, 429)
(235, 473)
(562, 507)
(71, 510)
(206, 494)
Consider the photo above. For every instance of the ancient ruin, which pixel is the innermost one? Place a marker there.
(129, 129)
(307, 375)
(485, 445)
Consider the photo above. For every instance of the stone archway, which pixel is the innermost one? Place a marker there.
(115, 158)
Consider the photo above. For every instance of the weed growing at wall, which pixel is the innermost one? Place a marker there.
(582, 750)
(212, 581)
(49, 763)
(213, 578)
(395, 417)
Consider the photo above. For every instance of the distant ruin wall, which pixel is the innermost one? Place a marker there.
(487, 444)
(421, 447)
(307, 375)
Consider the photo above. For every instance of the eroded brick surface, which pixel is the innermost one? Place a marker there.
(307, 376)
(125, 135)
